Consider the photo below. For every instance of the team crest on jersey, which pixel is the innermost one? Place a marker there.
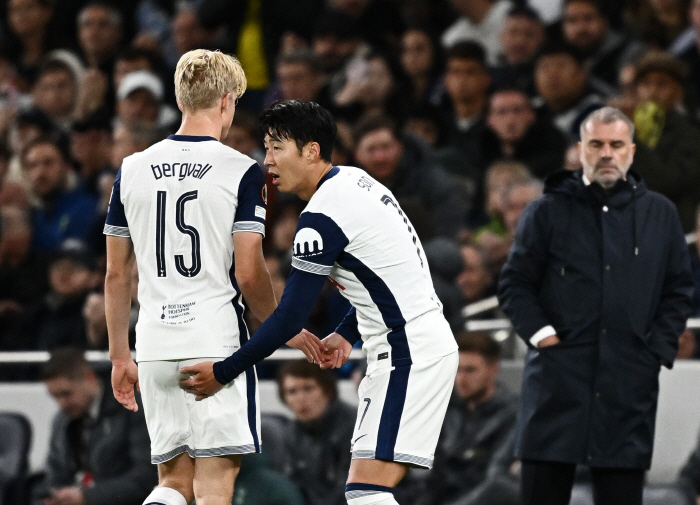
(308, 242)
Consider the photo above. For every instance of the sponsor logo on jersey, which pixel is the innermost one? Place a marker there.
(308, 242)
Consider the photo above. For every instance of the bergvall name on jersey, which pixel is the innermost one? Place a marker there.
(180, 170)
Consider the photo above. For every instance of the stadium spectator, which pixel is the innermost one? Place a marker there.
(478, 425)
(476, 280)
(516, 133)
(91, 148)
(64, 211)
(480, 20)
(522, 36)
(29, 38)
(99, 451)
(427, 194)
(336, 40)
(243, 136)
(564, 89)
(466, 84)
(55, 91)
(188, 34)
(657, 23)
(515, 198)
(671, 142)
(606, 51)
(130, 139)
(100, 35)
(300, 77)
(372, 86)
(380, 22)
(318, 441)
(23, 270)
(11, 192)
(590, 288)
(56, 320)
(422, 63)
(140, 100)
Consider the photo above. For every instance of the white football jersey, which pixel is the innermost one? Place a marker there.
(354, 231)
(180, 201)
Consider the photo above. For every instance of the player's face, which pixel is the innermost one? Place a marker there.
(304, 397)
(606, 152)
(286, 165)
(476, 376)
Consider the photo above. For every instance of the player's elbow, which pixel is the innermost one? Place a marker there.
(249, 279)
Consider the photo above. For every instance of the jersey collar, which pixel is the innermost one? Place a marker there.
(331, 173)
(190, 138)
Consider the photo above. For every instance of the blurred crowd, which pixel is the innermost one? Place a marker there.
(462, 108)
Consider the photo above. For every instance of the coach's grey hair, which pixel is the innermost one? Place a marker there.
(607, 115)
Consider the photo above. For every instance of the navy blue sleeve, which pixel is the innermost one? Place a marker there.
(286, 321)
(317, 243)
(252, 202)
(116, 224)
(348, 327)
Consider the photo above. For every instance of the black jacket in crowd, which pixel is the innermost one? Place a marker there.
(318, 454)
(116, 453)
(610, 272)
(469, 439)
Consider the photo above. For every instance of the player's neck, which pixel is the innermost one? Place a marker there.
(317, 173)
(202, 125)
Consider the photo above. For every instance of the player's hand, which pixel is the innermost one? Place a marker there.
(309, 344)
(201, 382)
(124, 375)
(338, 351)
(547, 341)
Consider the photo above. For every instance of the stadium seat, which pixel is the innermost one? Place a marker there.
(15, 439)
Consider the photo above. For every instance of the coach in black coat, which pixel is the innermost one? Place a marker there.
(600, 269)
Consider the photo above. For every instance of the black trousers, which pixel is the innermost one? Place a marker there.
(550, 483)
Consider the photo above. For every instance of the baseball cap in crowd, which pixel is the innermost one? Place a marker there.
(140, 79)
(77, 251)
(661, 61)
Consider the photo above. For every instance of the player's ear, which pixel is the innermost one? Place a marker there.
(314, 151)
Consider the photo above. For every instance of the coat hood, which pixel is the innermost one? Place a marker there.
(623, 193)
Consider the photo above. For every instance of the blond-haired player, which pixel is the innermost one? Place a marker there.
(179, 210)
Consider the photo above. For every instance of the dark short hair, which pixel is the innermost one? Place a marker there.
(594, 3)
(661, 61)
(479, 342)
(302, 122)
(524, 11)
(372, 123)
(67, 362)
(468, 50)
(41, 140)
(247, 122)
(133, 53)
(303, 57)
(561, 47)
(302, 368)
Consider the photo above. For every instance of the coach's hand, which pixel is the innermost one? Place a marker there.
(338, 351)
(309, 344)
(125, 374)
(201, 382)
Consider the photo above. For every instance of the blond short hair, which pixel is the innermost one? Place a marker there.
(203, 77)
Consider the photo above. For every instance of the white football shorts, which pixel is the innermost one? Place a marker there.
(223, 424)
(401, 411)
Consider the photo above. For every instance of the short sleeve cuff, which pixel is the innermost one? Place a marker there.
(312, 268)
(538, 337)
(251, 226)
(116, 231)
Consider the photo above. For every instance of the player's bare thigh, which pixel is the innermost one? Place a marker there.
(377, 472)
(208, 480)
(214, 479)
(178, 474)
